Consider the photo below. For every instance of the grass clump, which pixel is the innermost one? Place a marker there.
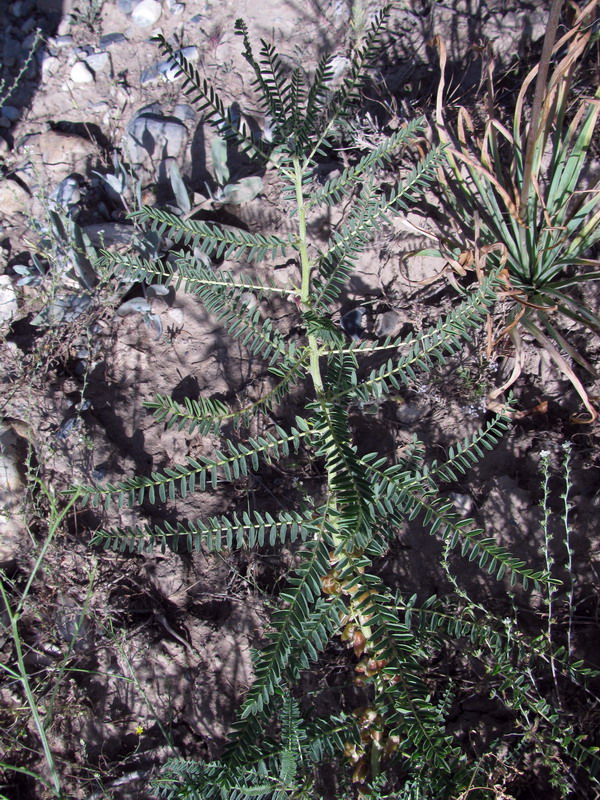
(527, 190)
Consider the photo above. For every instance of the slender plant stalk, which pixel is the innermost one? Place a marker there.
(80, 620)
(305, 267)
(538, 98)
(56, 520)
(109, 631)
(551, 588)
(568, 546)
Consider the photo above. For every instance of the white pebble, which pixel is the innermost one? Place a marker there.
(80, 73)
(146, 13)
(50, 66)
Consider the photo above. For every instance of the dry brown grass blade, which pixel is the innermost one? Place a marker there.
(516, 372)
(439, 99)
(454, 152)
(541, 92)
(492, 343)
(493, 125)
(575, 355)
(547, 91)
(464, 123)
(567, 371)
(543, 110)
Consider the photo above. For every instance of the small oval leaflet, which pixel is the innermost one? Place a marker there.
(136, 304)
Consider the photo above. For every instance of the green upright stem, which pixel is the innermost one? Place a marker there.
(304, 260)
(313, 347)
(22, 675)
(314, 369)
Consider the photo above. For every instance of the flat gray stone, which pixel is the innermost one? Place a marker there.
(387, 324)
(151, 138)
(112, 38)
(170, 69)
(98, 62)
(184, 112)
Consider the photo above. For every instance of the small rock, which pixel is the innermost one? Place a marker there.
(98, 61)
(82, 52)
(248, 300)
(8, 299)
(4, 147)
(146, 13)
(387, 324)
(352, 323)
(11, 52)
(339, 66)
(63, 41)
(66, 193)
(184, 112)
(27, 26)
(11, 113)
(410, 411)
(59, 154)
(463, 503)
(64, 26)
(127, 6)
(170, 69)
(175, 7)
(99, 107)
(21, 8)
(13, 450)
(153, 137)
(174, 317)
(50, 66)
(13, 198)
(149, 75)
(110, 39)
(81, 73)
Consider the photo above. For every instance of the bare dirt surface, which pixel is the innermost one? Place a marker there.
(159, 646)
